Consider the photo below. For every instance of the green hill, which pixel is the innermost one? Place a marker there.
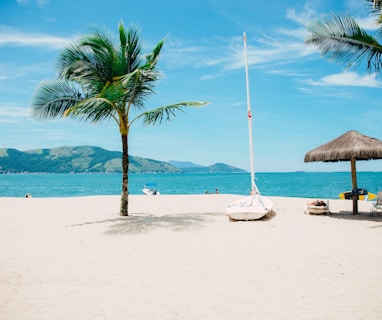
(89, 159)
(77, 160)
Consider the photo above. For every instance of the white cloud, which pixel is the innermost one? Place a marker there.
(43, 4)
(12, 36)
(302, 17)
(13, 111)
(8, 121)
(12, 114)
(368, 23)
(19, 71)
(279, 46)
(23, 2)
(305, 90)
(347, 79)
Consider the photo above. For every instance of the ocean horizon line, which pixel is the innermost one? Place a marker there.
(192, 173)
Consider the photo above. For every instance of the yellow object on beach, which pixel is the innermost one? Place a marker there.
(346, 195)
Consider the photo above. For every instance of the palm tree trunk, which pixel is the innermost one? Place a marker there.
(125, 177)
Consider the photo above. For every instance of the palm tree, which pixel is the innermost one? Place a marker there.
(99, 81)
(341, 39)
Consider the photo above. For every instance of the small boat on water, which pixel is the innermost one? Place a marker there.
(150, 189)
(255, 206)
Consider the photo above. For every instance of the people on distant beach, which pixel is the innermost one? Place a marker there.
(28, 195)
(216, 191)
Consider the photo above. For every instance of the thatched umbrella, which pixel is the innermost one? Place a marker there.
(351, 146)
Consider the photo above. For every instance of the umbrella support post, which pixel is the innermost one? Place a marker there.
(355, 205)
(354, 184)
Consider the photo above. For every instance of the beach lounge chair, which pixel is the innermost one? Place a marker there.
(377, 205)
(317, 206)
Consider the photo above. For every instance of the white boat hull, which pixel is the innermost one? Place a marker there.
(249, 208)
(150, 192)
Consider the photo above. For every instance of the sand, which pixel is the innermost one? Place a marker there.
(179, 257)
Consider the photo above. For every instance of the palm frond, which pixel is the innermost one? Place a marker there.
(139, 85)
(166, 113)
(140, 79)
(92, 61)
(53, 98)
(342, 40)
(153, 57)
(93, 109)
(375, 5)
(107, 104)
(101, 53)
(122, 43)
(133, 50)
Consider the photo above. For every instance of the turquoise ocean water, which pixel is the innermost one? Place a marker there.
(285, 184)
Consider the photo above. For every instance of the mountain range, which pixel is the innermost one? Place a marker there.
(90, 159)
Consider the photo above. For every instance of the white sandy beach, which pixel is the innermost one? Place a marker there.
(179, 257)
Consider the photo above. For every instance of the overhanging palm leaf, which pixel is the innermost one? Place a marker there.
(93, 109)
(165, 113)
(342, 40)
(53, 98)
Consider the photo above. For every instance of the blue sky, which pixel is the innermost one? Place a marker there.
(299, 100)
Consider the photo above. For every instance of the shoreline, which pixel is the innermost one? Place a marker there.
(179, 257)
(185, 203)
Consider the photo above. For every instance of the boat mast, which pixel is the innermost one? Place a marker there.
(253, 185)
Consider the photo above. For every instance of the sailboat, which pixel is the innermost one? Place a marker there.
(254, 206)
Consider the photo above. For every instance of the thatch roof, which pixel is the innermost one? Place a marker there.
(350, 145)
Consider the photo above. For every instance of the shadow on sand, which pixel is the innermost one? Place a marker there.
(361, 216)
(141, 223)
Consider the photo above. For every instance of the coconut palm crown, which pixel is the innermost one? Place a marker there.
(99, 81)
(341, 39)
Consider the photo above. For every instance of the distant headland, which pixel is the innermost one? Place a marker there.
(91, 159)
